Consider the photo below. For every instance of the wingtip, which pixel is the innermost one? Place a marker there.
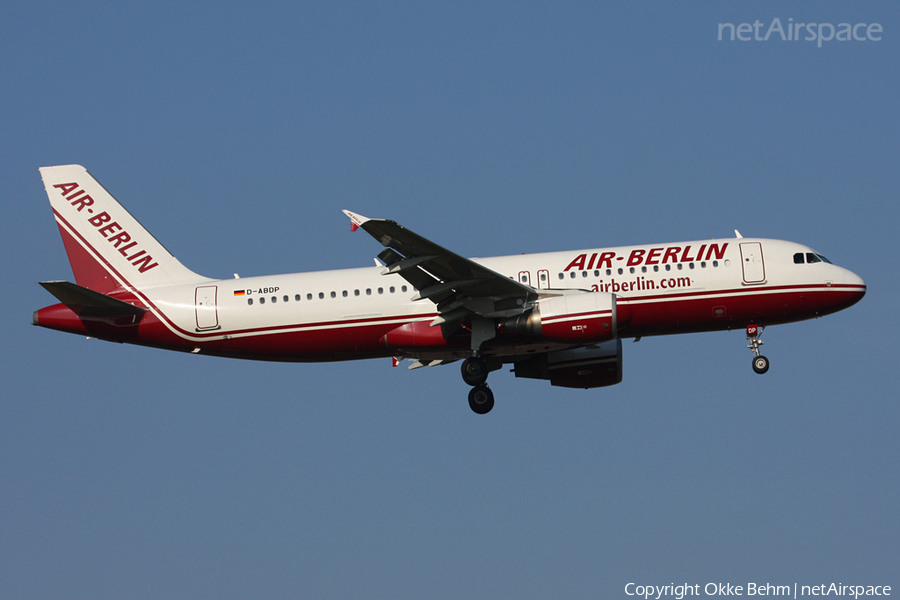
(356, 221)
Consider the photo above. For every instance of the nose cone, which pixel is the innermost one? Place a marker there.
(851, 286)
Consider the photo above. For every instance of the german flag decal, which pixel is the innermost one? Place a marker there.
(240, 292)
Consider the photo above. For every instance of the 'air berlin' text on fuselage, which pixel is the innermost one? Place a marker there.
(653, 256)
(109, 229)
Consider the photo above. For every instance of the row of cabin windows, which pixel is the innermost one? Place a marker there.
(632, 270)
(344, 294)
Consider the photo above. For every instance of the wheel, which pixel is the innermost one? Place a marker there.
(474, 371)
(481, 399)
(760, 364)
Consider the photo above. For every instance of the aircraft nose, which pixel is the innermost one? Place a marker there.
(854, 285)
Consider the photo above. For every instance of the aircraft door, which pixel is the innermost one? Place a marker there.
(525, 277)
(205, 306)
(543, 279)
(752, 262)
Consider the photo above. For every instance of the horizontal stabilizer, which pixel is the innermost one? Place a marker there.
(88, 302)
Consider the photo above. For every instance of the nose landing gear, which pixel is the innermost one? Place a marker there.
(760, 362)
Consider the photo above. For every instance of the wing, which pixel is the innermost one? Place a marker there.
(458, 286)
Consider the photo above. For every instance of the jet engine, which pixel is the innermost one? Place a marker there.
(582, 318)
(591, 367)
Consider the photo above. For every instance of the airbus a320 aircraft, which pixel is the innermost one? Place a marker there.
(557, 316)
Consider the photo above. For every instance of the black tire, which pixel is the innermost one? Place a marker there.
(474, 371)
(481, 399)
(760, 364)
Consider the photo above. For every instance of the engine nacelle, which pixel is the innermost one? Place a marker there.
(597, 366)
(587, 317)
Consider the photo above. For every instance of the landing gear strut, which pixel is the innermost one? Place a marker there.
(475, 369)
(760, 362)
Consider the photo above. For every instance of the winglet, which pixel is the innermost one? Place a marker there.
(356, 221)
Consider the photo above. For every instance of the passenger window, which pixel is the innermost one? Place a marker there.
(356, 292)
(274, 299)
(262, 300)
(403, 289)
(297, 297)
(344, 293)
(380, 290)
(656, 268)
(334, 294)
(368, 291)
(584, 273)
(690, 265)
(561, 275)
(621, 271)
(572, 274)
(309, 296)
(392, 289)
(250, 301)
(798, 258)
(668, 267)
(286, 298)
(321, 295)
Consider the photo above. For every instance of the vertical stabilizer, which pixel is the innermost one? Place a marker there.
(107, 247)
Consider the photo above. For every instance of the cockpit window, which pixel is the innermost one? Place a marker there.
(811, 258)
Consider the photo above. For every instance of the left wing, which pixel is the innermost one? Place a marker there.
(461, 288)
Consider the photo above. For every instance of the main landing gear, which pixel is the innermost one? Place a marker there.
(474, 373)
(760, 362)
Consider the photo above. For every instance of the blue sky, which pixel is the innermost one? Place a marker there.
(236, 133)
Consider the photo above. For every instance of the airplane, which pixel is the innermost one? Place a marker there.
(557, 316)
